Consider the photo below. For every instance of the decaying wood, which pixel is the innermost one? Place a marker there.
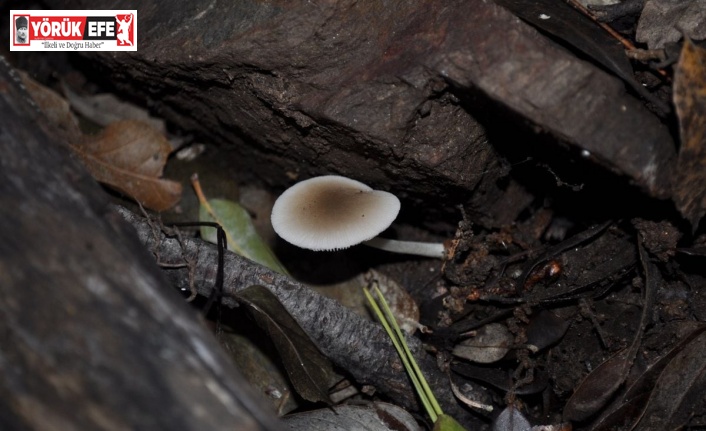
(92, 336)
(395, 94)
(356, 345)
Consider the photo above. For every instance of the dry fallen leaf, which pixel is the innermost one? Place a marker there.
(690, 102)
(107, 108)
(54, 107)
(666, 21)
(511, 419)
(129, 156)
(490, 344)
(632, 405)
(309, 371)
(598, 387)
(678, 390)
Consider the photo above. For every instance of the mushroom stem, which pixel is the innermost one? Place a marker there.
(426, 249)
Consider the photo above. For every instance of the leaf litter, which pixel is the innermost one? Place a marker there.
(128, 155)
(309, 370)
(690, 102)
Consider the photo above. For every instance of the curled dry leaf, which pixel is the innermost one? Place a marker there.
(631, 406)
(309, 370)
(511, 419)
(565, 23)
(54, 107)
(107, 108)
(130, 156)
(546, 328)
(666, 21)
(490, 344)
(679, 388)
(690, 102)
(598, 387)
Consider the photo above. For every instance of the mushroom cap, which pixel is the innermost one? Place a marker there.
(332, 212)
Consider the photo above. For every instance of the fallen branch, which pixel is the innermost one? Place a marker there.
(354, 344)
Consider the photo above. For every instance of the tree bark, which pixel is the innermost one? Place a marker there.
(92, 336)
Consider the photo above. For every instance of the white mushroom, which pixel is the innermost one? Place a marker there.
(333, 212)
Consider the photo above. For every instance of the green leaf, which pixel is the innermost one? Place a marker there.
(308, 369)
(447, 423)
(240, 232)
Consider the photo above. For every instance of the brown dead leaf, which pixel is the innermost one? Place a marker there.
(310, 372)
(690, 102)
(489, 344)
(54, 107)
(598, 387)
(107, 108)
(678, 390)
(130, 156)
(631, 406)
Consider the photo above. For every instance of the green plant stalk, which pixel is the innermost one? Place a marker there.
(408, 353)
(405, 360)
